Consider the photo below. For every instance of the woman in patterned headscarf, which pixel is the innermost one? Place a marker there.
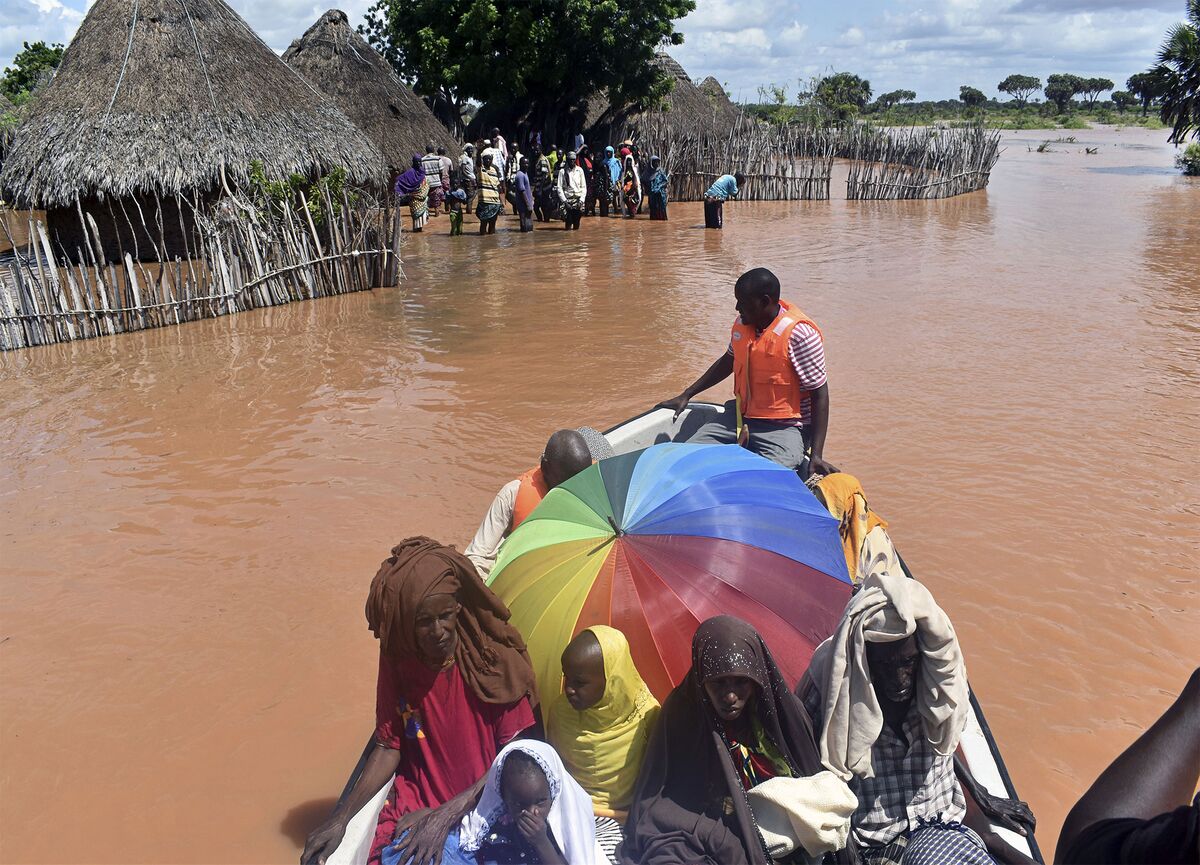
(732, 724)
(412, 188)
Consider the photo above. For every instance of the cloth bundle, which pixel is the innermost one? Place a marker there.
(812, 813)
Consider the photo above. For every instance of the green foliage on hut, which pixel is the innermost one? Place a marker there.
(340, 63)
(159, 106)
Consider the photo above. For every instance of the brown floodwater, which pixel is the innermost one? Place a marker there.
(190, 517)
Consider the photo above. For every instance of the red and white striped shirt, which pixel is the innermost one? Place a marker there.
(807, 355)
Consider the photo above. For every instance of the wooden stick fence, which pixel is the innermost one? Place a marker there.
(795, 162)
(239, 256)
(918, 163)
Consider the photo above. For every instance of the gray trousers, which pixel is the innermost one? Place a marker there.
(780, 444)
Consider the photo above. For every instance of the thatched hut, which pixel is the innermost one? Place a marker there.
(726, 109)
(685, 106)
(161, 102)
(340, 63)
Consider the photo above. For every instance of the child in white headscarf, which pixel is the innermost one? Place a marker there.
(531, 811)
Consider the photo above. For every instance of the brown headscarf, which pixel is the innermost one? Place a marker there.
(689, 805)
(490, 654)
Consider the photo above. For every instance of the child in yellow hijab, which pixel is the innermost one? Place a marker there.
(602, 721)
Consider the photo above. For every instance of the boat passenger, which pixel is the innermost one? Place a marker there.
(1137, 809)
(566, 455)
(455, 686)
(889, 698)
(865, 541)
(731, 725)
(723, 189)
(781, 390)
(601, 723)
(531, 812)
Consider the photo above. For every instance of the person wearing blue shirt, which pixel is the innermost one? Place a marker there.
(614, 175)
(724, 188)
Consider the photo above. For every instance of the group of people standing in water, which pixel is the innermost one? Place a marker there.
(544, 185)
(859, 761)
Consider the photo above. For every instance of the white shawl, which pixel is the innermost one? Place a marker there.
(570, 819)
(888, 607)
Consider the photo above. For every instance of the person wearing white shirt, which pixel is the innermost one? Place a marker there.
(572, 189)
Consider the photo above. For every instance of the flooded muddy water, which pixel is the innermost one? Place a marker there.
(191, 517)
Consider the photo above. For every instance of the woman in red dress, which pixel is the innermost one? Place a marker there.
(455, 686)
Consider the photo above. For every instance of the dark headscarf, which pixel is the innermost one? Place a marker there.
(410, 181)
(689, 805)
(490, 654)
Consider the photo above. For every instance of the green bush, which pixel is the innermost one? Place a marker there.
(1071, 121)
(1189, 161)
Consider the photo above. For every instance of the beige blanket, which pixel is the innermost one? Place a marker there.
(887, 607)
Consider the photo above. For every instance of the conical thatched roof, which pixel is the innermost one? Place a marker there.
(685, 105)
(162, 95)
(340, 63)
(716, 94)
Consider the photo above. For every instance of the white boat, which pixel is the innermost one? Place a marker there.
(657, 425)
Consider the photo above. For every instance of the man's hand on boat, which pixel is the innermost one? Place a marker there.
(677, 404)
(1010, 813)
(820, 466)
(323, 841)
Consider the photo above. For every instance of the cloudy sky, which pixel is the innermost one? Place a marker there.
(930, 46)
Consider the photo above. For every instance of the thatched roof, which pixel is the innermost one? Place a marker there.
(685, 105)
(716, 94)
(164, 95)
(341, 64)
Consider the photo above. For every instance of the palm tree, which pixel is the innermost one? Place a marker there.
(1178, 75)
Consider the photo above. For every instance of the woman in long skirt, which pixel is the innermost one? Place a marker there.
(412, 188)
(659, 181)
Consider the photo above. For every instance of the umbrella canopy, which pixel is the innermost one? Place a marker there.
(656, 541)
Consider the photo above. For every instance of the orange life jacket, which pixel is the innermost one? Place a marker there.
(532, 490)
(764, 381)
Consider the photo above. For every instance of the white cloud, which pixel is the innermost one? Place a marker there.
(31, 20)
(931, 46)
(852, 36)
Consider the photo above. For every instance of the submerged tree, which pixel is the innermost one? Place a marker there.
(1123, 99)
(1020, 87)
(1092, 88)
(884, 101)
(1061, 89)
(971, 97)
(1177, 76)
(1143, 85)
(549, 53)
(843, 94)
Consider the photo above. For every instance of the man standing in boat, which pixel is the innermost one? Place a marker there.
(776, 355)
(566, 455)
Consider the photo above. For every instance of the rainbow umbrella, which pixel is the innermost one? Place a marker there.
(656, 541)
